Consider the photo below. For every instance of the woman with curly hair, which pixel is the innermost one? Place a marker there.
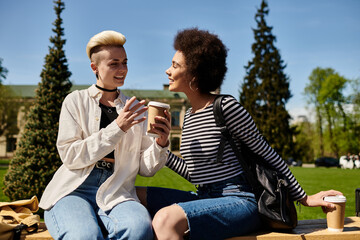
(224, 205)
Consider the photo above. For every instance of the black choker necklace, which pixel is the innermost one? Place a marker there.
(106, 90)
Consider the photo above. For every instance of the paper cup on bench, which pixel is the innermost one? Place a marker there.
(335, 218)
(155, 109)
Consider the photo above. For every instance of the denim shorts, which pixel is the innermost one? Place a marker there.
(216, 211)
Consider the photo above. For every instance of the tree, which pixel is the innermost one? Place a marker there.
(265, 90)
(304, 148)
(36, 158)
(3, 71)
(325, 92)
(332, 100)
(355, 117)
(312, 91)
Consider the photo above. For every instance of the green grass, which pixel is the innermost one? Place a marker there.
(312, 180)
(4, 161)
(165, 178)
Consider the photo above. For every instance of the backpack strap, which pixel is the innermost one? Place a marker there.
(19, 228)
(220, 122)
(226, 136)
(225, 133)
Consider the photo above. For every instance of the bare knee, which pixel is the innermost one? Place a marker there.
(161, 219)
(170, 223)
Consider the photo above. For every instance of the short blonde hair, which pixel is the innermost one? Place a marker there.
(105, 38)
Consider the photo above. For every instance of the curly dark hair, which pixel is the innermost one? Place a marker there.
(205, 57)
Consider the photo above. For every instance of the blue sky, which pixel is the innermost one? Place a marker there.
(310, 34)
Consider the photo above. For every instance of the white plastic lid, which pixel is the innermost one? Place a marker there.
(335, 199)
(152, 135)
(158, 104)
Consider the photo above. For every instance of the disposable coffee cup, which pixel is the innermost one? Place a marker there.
(335, 218)
(155, 109)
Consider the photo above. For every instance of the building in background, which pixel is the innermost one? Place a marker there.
(178, 105)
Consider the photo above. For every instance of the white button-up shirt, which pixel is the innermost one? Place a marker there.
(81, 144)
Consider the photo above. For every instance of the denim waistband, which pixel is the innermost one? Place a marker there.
(234, 184)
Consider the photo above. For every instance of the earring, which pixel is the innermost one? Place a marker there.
(97, 75)
(191, 87)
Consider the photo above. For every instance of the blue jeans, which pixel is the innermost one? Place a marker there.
(77, 215)
(217, 211)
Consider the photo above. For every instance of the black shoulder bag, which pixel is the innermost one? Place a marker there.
(275, 206)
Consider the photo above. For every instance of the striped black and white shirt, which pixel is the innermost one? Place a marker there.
(200, 141)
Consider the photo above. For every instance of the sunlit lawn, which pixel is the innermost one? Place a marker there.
(314, 180)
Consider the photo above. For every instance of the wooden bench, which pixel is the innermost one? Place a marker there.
(306, 230)
(314, 229)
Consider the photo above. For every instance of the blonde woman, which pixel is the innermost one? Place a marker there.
(103, 145)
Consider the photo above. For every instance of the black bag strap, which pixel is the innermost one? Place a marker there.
(18, 229)
(220, 122)
(226, 135)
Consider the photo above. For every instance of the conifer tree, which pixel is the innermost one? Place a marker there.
(265, 89)
(3, 71)
(36, 158)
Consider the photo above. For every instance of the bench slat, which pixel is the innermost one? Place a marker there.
(314, 229)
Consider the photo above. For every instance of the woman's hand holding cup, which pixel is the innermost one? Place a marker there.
(162, 128)
(127, 116)
(159, 122)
